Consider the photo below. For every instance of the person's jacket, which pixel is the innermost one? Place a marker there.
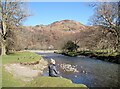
(53, 71)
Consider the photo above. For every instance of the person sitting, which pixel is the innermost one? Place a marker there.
(52, 69)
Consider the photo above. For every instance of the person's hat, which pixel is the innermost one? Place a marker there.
(52, 61)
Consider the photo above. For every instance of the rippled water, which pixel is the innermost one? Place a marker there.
(92, 72)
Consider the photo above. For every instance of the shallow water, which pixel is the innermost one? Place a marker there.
(92, 72)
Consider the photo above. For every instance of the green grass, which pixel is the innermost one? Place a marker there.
(103, 52)
(9, 81)
(53, 82)
(0, 72)
(20, 57)
(104, 55)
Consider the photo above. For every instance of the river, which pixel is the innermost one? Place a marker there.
(92, 72)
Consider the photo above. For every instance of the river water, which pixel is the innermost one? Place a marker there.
(92, 72)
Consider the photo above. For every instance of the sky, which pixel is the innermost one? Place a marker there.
(48, 12)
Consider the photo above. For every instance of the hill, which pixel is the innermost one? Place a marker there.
(55, 35)
(65, 25)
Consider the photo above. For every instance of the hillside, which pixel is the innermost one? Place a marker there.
(55, 35)
(65, 25)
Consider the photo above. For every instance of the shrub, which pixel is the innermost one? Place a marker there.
(70, 47)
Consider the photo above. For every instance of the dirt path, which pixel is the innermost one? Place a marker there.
(25, 72)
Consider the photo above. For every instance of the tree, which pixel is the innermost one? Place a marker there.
(11, 15)
(70, 46)
(107, 15)
(11, 41)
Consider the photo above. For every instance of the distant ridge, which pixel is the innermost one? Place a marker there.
(65, 25)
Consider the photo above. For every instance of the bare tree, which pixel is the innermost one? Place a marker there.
(106, 14)
(11, 15)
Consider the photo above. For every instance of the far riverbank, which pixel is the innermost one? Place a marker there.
(42, 51)
(101, 55)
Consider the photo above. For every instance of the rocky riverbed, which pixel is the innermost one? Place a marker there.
(69, 68)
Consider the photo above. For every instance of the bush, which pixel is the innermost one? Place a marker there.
(70, 47)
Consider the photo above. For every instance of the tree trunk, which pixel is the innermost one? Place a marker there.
(117, 40)
(3, 52)
(3, 43)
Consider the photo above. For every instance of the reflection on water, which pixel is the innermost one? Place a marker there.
(92, 72)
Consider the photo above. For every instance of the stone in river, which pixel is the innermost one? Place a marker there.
(83, 71)
(75, 75)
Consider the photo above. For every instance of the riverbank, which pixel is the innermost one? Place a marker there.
(24, 60)
(40, 51)
(15, 73)
(101, 55)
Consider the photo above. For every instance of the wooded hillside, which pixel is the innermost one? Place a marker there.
(55, 35)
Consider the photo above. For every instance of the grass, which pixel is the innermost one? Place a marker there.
(9, 81)
(53, 82)
(20, 57)
(0, 72)
(104, 54)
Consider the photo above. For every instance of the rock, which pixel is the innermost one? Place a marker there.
(76, 71)
(75, 75)
(74, 66)
(69, 68)
(83, 71)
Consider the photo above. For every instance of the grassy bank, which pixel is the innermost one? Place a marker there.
(9, 81)
(53, 82)
(102, 55)
(98, 54)
(20, 57)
